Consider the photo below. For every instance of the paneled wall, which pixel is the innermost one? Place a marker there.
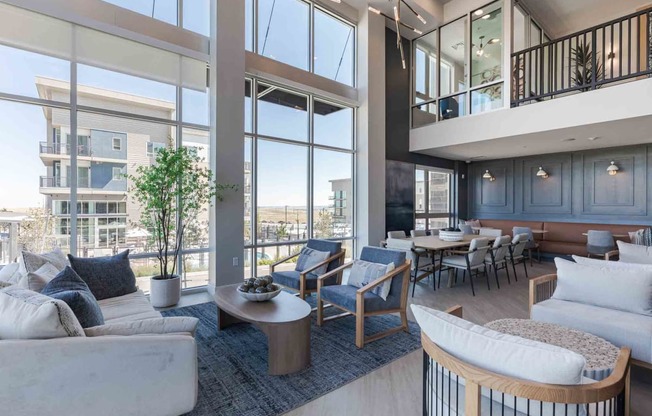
(578, 188)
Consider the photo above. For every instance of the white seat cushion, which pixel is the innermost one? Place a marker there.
(501, 353)
(623, 329)
(458, 261)
(131, 307)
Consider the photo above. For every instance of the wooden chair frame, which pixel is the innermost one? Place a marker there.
(542, 288)
(360, 313)
(303, 291)
(611, 254)
(477, 378)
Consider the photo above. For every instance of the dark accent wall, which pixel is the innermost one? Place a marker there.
(579, 189)
(397, 137)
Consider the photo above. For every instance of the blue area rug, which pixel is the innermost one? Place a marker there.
(233, 377)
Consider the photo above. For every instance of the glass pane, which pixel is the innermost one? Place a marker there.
(248, 109)
(349, 254)
(334, 48)
(195, 106)
(487, 38)
(268, 255)
(535, 34)
(333, 125)
(452, 107)
(282, 172)
(247, 190)
(419, 191)
(283, 31)
(438, 223)
(425, 67)
(487, 99)
(165, 10)
(520, 37)
(196, 16)
(33, 192)
(438, 190)
(249, 25)
(452, 68)
(195, 270)
(34, 75)
(333, 194)
(420, 224)
(116, 91)
(424, 114)
(281, 113)
(197, 228)
(248, 270)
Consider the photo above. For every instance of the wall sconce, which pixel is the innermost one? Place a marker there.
(612, 169)
(542, 173)
(488, 175)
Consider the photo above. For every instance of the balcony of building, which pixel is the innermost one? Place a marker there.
(51, 151)
(86, 185)
(466, 106)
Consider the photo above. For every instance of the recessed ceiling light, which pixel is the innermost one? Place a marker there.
(593, 138)
(486, 16)
(478, 12)
(570, 139)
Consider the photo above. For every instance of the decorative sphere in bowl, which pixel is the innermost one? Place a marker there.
(259, 290)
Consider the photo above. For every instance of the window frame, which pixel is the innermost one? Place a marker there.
(426, 215)
(113, 175)
(117, 148)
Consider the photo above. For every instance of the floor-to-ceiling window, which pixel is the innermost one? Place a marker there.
(301, 34)
(299, 164)
(81, 109)
(432, 198)
(188, 14)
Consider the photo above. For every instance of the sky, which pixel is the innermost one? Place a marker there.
(282, 168)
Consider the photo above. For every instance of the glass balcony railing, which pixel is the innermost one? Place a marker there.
(62, 182)
(62, 149)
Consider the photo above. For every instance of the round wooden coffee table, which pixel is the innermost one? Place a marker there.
(285, 320)
(600, 354)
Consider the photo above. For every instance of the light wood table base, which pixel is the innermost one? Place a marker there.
(285, 320)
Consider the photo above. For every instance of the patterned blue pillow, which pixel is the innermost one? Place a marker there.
(106, 277)
(309, 258)
(70, 288)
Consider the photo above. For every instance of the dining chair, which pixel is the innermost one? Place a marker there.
(490, 232)
(396, 234)
(516, 249)
(419, 270)
(362, 302)
(305, 281)
(418, 233)
(469, 260)
(497, 256)
(599, 243)
(466, 229)
(531, 244)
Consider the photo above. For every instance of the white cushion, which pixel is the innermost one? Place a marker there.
(131, 307)
(31, 262)
(169, 325)
(501, 353)
(365, 272)
(633, 253)
(309, 258)
(11, 273)
(614, 265)
(25, 314)
(37, 280)
(627, 289)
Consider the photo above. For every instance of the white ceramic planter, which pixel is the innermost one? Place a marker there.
(164, 292)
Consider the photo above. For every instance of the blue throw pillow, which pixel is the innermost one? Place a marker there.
(106, 277)
(70, 288)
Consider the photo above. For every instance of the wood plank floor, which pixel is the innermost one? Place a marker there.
(396, 388)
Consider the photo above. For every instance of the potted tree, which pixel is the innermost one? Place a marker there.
(172, 192)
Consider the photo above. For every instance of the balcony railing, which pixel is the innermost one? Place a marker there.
(63, 149)
(611, 52)
(62, 182)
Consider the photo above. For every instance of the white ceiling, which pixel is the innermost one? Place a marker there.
(608, 134)
(562, 17)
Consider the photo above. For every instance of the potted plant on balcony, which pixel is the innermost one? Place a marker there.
(173, 191)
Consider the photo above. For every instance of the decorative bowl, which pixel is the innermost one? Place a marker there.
(451, 235)
(260, 297)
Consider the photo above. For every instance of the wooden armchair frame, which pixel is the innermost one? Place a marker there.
(611, 254)
(303, 291)
(542, 288)
(477, 378)
(360, 312)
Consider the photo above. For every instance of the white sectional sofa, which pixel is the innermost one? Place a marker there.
(151, 373)
(612, 300)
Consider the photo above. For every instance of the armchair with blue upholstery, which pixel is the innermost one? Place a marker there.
(305, 282)
(361, 302)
